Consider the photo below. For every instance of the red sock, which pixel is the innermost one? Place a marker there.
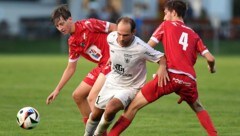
(119, 126)
(206, 122)
(85, 120)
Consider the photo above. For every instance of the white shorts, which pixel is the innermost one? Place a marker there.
(108, 91)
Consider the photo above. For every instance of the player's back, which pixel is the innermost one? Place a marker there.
(181, 46)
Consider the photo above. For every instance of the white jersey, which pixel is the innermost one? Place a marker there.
(129, 63)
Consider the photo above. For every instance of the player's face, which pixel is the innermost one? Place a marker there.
(125, 36)
(64, 26)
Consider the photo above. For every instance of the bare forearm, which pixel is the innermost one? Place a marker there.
(64, 79)
(211, 62)
(163, 62)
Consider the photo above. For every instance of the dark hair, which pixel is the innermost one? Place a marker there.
(127, 20)
(179, 6)
(61, 11)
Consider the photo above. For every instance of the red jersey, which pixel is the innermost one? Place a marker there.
(181, 46)
(89, 41)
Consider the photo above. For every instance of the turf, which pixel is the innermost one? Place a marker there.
(27, 80)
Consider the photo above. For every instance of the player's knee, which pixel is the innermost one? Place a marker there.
(75, 97)
(109, 114)
(95, 116)
(112, 109)
(90, 99)
(78, 97)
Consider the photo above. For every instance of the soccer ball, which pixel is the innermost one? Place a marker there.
(28, 117)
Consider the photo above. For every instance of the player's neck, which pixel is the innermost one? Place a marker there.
(72, 28)
(178, 19)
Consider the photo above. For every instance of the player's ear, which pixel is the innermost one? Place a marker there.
(134, 31)
(70, 19)
(174, 13)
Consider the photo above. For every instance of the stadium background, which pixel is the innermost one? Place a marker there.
(33, 56)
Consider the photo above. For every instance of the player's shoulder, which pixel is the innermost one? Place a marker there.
(92, 21)
(140, 43)
(111, 38)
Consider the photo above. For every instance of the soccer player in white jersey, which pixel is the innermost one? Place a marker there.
(128, 55)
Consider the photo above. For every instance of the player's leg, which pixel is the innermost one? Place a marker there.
(98, 84)
(80, 97)
(189, 93)
(96, 89)
(204, 118)
(93, 121)
(113, 106)
(149, 93)
(125, 120)
(81, 93)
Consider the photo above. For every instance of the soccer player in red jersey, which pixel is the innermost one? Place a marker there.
(88, 40)
(181, 45)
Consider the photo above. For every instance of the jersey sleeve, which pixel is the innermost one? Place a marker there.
(201, 48)
(158, 33)
(74, 51)
(95, 25)
(151, 54)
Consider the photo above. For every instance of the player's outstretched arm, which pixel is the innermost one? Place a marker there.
(69, 71)
(211, 62)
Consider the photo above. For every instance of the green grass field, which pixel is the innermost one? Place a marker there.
(27, 80)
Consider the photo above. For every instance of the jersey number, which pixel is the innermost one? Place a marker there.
(184, 40)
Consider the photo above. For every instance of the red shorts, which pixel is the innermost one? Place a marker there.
(182, 85)
(93, 75)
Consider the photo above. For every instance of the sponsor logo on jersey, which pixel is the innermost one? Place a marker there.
(94, 52)
(118, 68)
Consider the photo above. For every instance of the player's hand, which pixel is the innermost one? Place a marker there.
(212, 69)
(52, 97)
(163, 77)
(108, 62)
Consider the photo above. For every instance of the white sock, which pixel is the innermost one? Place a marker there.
(102, 126)
(90, 126)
